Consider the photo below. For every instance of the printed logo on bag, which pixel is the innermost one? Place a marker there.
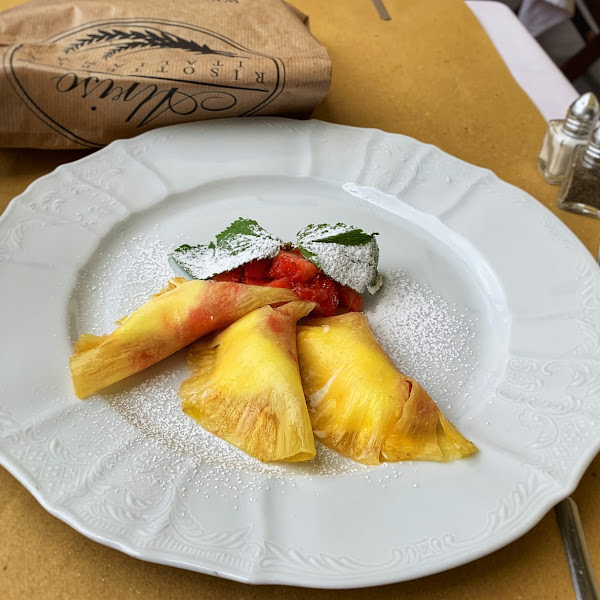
(141, 74)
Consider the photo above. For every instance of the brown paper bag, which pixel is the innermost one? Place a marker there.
(80, 73)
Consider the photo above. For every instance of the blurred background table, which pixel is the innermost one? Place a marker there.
(431, 72)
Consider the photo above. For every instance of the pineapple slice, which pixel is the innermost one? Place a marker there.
(361, 405)
(175, 317)
(246, 385)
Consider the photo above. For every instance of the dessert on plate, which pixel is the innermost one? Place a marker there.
(361, 405)
(259, 381)
(172, 319)
(245, 385)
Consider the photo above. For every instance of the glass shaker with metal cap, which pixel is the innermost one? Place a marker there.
(563, 136)
(580, 189)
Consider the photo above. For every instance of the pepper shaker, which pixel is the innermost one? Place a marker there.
(580, 189)
(563, 136)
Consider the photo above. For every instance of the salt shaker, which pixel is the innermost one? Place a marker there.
(563, 136)
(580, 189)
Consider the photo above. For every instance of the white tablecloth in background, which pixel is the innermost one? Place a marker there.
(531, 67)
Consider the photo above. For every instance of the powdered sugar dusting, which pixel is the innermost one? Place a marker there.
(202, 262)
(240, 243)
(119, 281)
(425, 337)
(345, 264)
(354, 266)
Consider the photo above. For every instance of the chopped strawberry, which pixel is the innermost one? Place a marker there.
(256, 280)
(321, 290)
(258, 269)
(235, 275)
(279, 283)
(350, 298)
(293, 267)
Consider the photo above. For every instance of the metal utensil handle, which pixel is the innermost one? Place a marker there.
(578, 556)
(382, 10)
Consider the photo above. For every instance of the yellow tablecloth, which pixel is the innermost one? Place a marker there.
(431, 73)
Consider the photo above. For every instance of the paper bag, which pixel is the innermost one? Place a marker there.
(81, 73)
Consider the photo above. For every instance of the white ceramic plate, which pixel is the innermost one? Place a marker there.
(496, 310)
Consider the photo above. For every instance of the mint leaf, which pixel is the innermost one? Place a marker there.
(235, 237)
(241, 242)
(345, 253)
(355, 237)
(309, 255)
(339, 233)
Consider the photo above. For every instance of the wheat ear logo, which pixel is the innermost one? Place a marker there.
(126, 41)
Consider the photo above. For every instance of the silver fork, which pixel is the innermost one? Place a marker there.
(578, 555)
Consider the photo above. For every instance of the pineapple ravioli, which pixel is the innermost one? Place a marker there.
(172, 319)
(259, 379)
(361, 405)
(246, 385)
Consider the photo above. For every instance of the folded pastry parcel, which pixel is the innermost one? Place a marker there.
(175, 317)
(361, 405)
(246, 385)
